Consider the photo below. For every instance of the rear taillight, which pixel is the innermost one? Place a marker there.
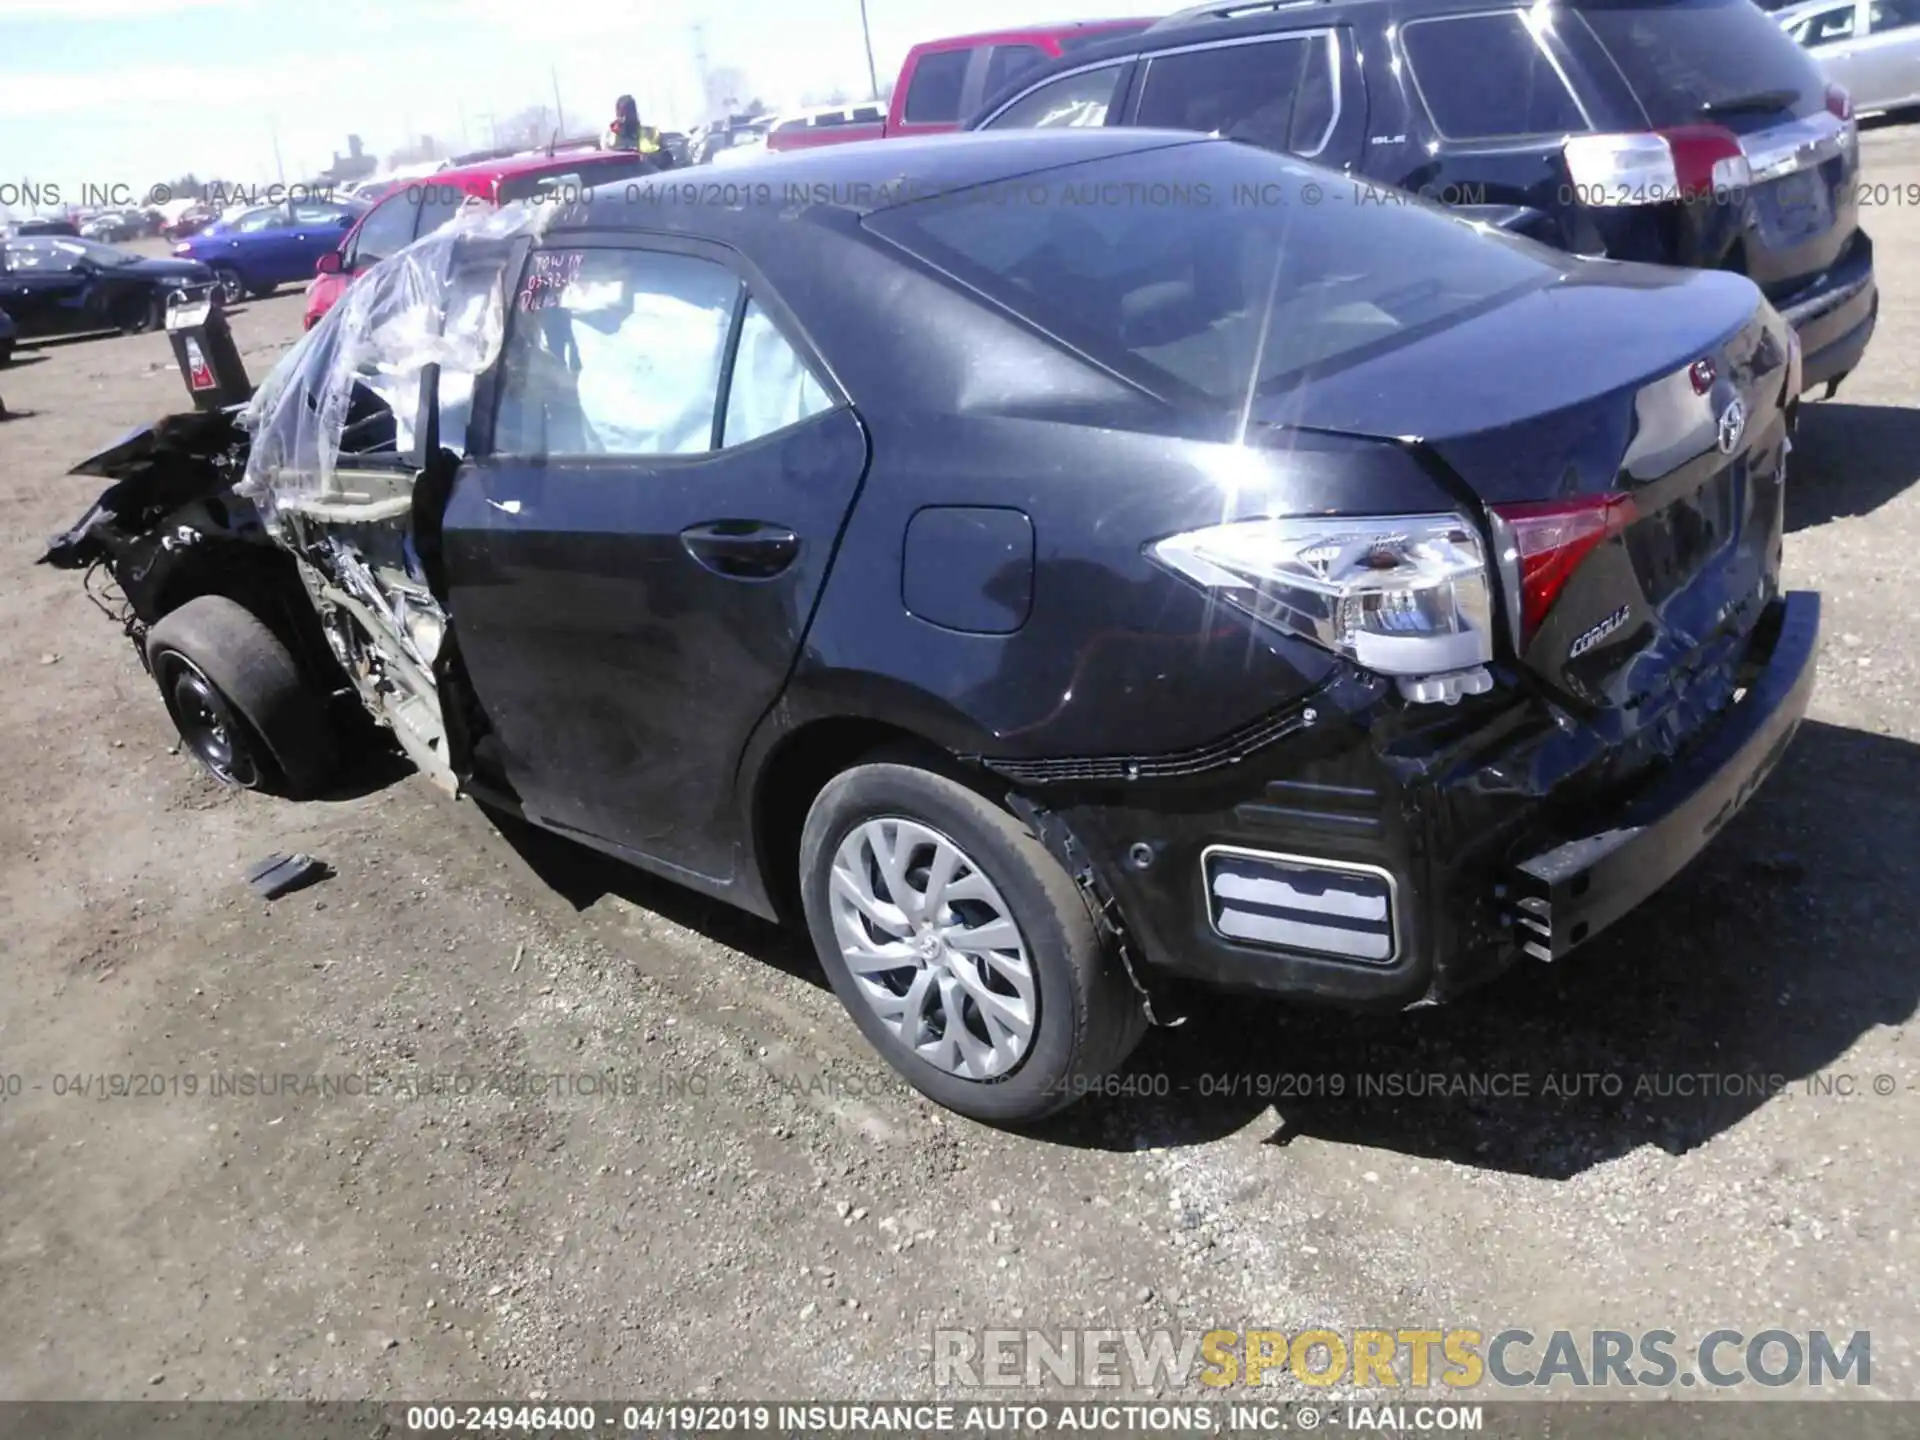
(1654, 167)
(1840, 102)
(1540, 546)
(1405, 595)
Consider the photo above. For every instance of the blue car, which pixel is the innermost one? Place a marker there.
(259, 250)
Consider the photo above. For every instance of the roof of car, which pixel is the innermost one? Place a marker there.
(856, 179)
(1013, 34)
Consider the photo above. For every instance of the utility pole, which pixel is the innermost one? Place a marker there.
(559, 110)
(873, 75)
(700, 68)
(273, 133)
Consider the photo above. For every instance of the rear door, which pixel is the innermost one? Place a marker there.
(634, 560)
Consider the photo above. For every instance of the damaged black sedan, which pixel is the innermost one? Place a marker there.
(1045, 576)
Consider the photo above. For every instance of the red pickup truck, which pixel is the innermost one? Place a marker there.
(945, 81)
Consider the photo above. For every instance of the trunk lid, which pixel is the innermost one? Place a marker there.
(1644, 410)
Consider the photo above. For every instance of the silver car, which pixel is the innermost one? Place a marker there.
(1872, 47)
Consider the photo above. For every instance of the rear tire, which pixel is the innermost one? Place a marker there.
(950, 1018)
(6, 353)
(239, 700)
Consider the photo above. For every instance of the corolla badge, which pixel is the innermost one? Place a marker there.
(1585, 642)
(1733, 424)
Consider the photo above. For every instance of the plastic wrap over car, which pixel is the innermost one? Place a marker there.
(362, 363)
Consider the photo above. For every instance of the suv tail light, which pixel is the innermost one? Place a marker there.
(1542, 544)
(1653, 167)
(1403, 595)
(1840, 102)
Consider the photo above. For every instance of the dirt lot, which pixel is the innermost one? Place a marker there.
(433, 1234)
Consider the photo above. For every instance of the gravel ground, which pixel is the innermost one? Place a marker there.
(429, 1234)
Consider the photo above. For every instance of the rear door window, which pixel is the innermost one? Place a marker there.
(1892, 15)
(1485, 77)
(1071, 102)
(771, 386)
(1687, 59)
(1277, 94)
(933, 94)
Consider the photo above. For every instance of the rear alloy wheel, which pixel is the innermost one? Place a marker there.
(238, 699)
(230, 285)
(961, 949)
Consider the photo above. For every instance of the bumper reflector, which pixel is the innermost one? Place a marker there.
(1287, 902)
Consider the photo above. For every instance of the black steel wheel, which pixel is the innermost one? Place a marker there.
(238, 698)
(218, 738)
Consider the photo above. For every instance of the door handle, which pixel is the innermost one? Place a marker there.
(742, 549)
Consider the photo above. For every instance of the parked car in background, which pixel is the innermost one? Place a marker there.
(113, 227)
(1681, 132)
(828, 125)
(738, 132)
(1043, 603)
(190, 221)
(266, 246)
(58, 285)
(944, 81)
(1871, 47)
(47, 225)
(412, 208)
(9, 332)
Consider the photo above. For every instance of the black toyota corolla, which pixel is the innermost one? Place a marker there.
(1052, 566)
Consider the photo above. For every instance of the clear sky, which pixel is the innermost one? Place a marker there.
(136, 91)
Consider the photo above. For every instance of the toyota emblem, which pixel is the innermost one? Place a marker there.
(1733, 424)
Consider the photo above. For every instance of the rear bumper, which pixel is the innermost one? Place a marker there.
(1834, 317)
(1487, 833)
(1564, 896)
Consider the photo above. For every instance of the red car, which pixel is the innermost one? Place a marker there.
(411, 208)
(945, 81)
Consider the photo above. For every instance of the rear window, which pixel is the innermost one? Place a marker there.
(1485, 77)
(1207, 269)
(933, 95)
(1688, 58)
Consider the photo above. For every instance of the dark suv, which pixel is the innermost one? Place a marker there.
(1681, 132)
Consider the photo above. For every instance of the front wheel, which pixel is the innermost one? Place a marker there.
(960, 947)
